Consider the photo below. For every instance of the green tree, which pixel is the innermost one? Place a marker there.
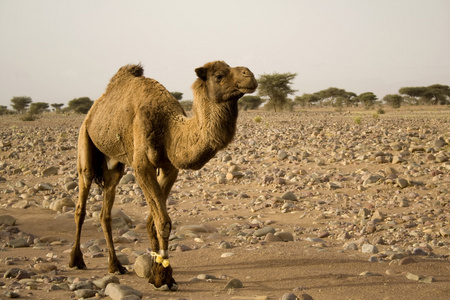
(433, 94)
(276, 87)
(80, 105)
(20, 104)
(437, 94)
(38, 108)
(307, 99)
(336, 97)
(368, 99)
(250, 102)
(177, 95)
(393, 100)
(57, 106)
(4, 110)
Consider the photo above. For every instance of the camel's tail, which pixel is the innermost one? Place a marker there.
(93, 159)
(97, 161)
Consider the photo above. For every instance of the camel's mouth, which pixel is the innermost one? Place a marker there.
(247, 90)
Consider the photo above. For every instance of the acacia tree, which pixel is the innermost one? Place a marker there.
(57, 106)
(433, 94)
(20, 104)
(437, 94)
(307, 99)
(177, 95)
(80, 105)
(368, 99)
(38, 108)
(250, 102)
(336, 97)
(393, 100)
(276, 87)
(4, 110)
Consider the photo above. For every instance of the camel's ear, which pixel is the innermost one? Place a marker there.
(201, 73)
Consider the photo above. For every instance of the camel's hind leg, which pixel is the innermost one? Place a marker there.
(112, 175)
(86, 171)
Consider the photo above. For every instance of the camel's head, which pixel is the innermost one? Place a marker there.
(224, 83)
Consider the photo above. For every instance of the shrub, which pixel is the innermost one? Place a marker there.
(257, 119)
(186, 105)
(357, 120)
(29, 116)
(80, 105)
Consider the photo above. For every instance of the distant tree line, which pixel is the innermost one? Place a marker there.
(30, 110)
(273, 91)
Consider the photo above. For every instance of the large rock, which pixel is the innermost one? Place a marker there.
(143, 265)
(117, 213)
(120, 291)
(50, 171)
(196, 229)
(60, 203)
(18, 243)
(234, 284)
(368, 248)
(264, 231)
(7, 220)
(285, 236)
(43, 186)
(103, 282)
(289, 196)
(127, 178)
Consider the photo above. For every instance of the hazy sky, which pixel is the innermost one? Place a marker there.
(54, 51)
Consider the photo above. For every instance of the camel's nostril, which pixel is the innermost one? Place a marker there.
(247, 73)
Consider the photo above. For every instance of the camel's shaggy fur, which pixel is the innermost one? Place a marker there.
(137, 122)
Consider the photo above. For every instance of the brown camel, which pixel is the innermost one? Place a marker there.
(138, 122)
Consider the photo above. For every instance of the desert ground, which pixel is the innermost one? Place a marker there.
(311, 204)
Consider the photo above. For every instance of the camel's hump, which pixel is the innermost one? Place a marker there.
(135, 70)
(123, 73)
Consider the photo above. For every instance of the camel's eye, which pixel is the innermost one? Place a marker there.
(220, 76)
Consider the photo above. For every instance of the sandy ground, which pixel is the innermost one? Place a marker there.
(268, 270)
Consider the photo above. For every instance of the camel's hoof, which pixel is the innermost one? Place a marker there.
(166, 288)
(121, 271)
(78, 265)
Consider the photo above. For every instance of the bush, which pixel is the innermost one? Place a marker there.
(186, 105)
(4, 110)
(80, 105)
(250, 102)
(357, 120)
(38, 108)
(380, 111)
(257, 119)
(29, 116)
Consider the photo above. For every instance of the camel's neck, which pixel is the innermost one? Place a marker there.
(199, 138)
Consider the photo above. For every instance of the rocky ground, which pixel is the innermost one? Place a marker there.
(311, 205)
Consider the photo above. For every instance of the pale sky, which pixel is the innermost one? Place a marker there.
(55, 50)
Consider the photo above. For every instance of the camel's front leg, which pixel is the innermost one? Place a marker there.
(166, 178)
(159, 224)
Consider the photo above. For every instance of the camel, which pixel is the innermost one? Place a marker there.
(137, 122)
